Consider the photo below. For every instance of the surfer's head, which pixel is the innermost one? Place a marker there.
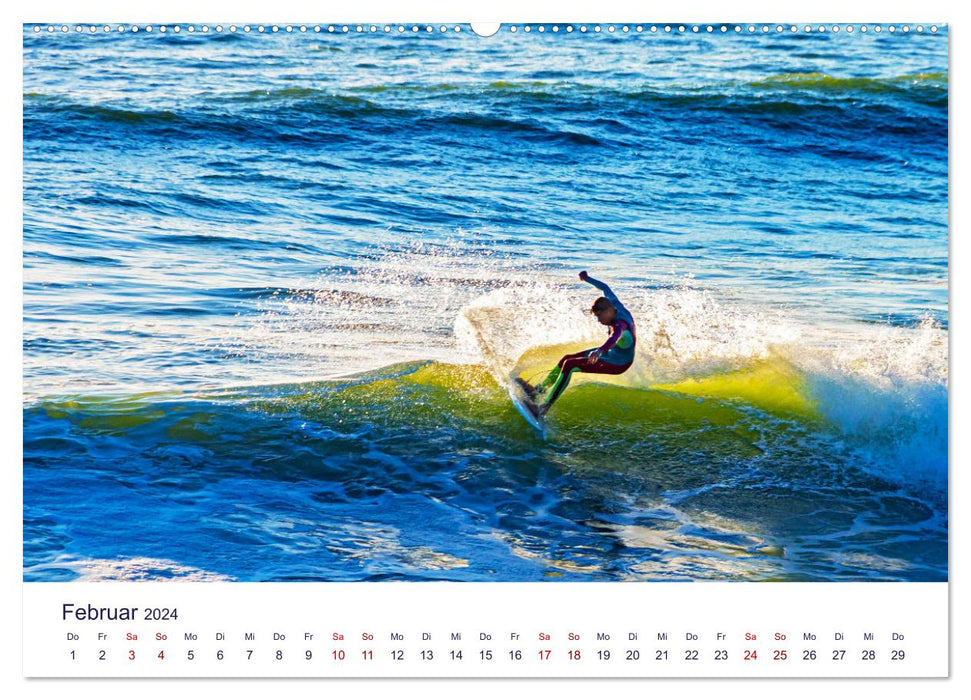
(604, 310)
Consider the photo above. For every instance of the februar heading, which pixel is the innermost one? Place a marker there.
(91, 613)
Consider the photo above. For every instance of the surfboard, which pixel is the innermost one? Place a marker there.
(521, 401)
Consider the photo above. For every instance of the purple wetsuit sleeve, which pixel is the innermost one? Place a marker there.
(618, 329)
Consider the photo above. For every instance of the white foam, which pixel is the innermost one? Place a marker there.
(887, 391)
(133, 569)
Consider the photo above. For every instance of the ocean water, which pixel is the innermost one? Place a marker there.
(274, 284)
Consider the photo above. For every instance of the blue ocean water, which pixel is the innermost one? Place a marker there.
(274, 282)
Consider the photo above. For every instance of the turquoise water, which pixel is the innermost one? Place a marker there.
(273, 284)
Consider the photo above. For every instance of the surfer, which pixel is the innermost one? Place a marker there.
(613, 357)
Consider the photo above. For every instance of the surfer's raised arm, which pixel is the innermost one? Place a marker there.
(608, 292)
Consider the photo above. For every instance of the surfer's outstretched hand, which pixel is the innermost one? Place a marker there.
(583, 275)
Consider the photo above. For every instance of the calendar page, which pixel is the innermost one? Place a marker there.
(523, 349)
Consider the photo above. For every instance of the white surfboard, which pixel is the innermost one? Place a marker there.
(521, 401)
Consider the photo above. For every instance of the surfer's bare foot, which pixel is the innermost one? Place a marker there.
(542, 410)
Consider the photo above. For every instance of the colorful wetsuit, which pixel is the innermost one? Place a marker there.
(616, 355)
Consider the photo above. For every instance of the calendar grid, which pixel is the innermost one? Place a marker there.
(483, 630)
